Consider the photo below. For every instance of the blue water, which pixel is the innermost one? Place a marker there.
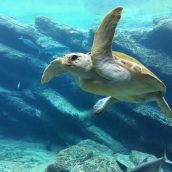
(35, 32)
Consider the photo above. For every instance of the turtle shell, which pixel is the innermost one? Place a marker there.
(136, 67)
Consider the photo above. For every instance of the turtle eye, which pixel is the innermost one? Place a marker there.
(73, 57)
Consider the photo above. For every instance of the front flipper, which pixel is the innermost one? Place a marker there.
(55, 68)
(103, 104)
(102, 44)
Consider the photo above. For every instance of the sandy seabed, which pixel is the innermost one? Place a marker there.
(24, 155)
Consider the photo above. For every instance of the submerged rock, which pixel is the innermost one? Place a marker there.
(85, 158)
(26, 38)
(63, 105)
(56, 167)
(73, 155)
(156, 20)
(96, 164)
(95, 147)
(160, 37)
(103, 137)
(66, 35)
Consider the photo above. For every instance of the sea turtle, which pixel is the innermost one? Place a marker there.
(110, 73)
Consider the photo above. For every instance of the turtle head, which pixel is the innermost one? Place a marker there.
(77, 63)
(74, 63)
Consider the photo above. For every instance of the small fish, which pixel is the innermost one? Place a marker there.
(18, 85)
(30, 44)
(148, 166)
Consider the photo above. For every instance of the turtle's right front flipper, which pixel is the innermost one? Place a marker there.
(55, 68)
(103, 37)
(103, 104)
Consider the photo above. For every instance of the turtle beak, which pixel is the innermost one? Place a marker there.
(55, 68)
(66, 61)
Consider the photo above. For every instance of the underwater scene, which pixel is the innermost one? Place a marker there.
(86, 86)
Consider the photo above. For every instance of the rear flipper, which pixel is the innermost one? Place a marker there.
(103, 104)
(164, 106)
(160, 100)
(166, 159)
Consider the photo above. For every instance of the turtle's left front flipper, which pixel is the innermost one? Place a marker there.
(55, 68)
(102, 44)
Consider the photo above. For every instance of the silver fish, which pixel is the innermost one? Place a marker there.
(147, 166)
(151, 166)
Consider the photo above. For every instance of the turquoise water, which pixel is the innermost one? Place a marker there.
(84, 13)
(39, 122)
